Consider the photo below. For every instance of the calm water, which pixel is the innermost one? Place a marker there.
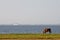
(27, 28)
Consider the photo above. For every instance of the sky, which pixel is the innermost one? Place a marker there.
(29, 11)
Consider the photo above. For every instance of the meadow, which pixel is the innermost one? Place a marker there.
(29, 36)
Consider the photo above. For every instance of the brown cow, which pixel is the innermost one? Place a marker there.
(47, 30)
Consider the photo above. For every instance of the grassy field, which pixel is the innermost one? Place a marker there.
(29, 36)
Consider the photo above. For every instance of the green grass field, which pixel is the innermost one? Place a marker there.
(27, 36)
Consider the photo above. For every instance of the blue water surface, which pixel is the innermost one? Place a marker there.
(27, 28)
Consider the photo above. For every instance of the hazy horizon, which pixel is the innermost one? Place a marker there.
(30, 12)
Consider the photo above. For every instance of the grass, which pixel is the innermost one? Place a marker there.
(27, 36)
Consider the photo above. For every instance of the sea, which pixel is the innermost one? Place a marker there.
(20, 29)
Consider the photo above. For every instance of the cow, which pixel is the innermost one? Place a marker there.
(47, 30)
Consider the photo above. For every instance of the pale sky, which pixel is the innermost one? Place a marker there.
(30, 11)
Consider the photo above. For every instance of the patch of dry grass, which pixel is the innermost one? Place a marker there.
(29, 36)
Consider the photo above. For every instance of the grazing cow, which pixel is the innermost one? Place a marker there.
(47, 30)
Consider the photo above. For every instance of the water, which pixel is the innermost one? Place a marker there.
(27, 28)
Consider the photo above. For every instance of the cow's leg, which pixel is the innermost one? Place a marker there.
(44, 32)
